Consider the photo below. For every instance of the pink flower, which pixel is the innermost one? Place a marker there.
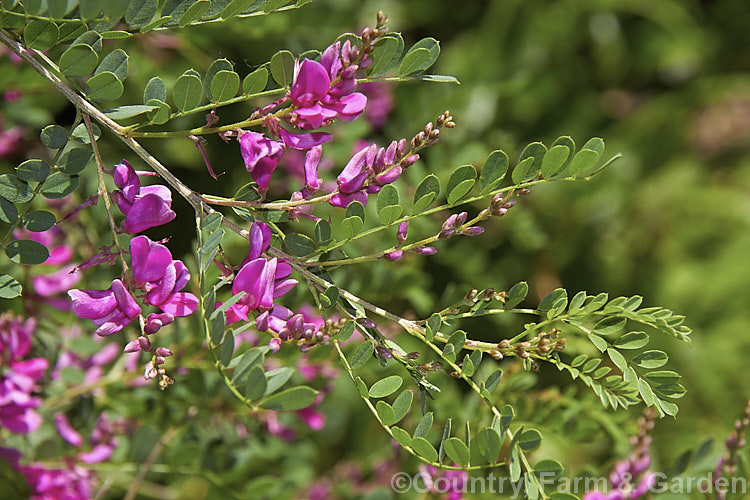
(111, 310)
(261, 156)
(144, 207)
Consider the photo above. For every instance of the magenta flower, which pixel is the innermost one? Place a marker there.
(60, 281)
(261, 156)
(111, 309)
(144, 206)
(19, 380)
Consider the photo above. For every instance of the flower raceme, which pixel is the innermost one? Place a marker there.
(156, 274)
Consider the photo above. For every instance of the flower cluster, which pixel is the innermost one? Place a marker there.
(19, 375)
(434, 477)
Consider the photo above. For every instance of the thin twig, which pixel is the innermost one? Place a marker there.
(143, 471)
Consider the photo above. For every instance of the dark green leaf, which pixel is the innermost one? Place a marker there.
(535, 150)
(41, 34)
(255, 385)
(530, 440)
(299, 245)
(124, 112)
(90, 9)
(74, 161)
(54, 136)
(282, 67)
(421, 56)
(217, 329)
(385, 53)
(362, 355)
(457, 451)
(227, 348)
(386, 387)
(651, 359)
(235, 7)
(115, 62)
(632, 340)
(59, 185)
(549, 301)
(612, 325)
(140, 12)
(161, 114)
(39, 220)
(79, 60)
(427, 190)
(194, 12)
(255, 82)
(155, 89)
(187, 92)
(424, 449)
(8, 211)
(516, 294)
(493, 380)
(347, 331)
(104, 86)
(494, 170)
(322, 231)
(295, 398)
(460, 183)
(424, 425)
(13, 190)
(27, 252)
(33, 170)
(488, 442)
(9, 287)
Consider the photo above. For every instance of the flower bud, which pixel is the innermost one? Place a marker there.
(275, 345)
(163, 351)
(425, 250)
(394, 255)
(144, 343)
(473, 231)
(403, 229)
(132, 346)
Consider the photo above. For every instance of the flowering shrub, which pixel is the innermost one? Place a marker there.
(252, 347)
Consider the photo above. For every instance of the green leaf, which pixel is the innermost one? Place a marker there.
(386, 387)
(457, 451)
(662, 377)
(217, 329)
(299, 245)
(34, 170)
(90, 38)
(161, 114)
(351, 226)
(255, 82)
(9, 287)
(330, 297)
(124, 112)
(227, 348)
(156, 23)
(424, 449)
(40, 34)
(115, 62)
(651, 359)
(385, 413)
(401, 436)
(322, 231)
(282, 67)
(618, 359)
(493, 380)
(362, 355)
(493, 171)
(346, 332)
(235, 7)
(70, 30)
(13, 190)
(460, 183)
(488, 443)
(116, 35)
(27, 252)
(530, 440)
(524, 171)
(155, 89)
(632, 340)
(549, 301)
(8, 211)
(583, 161)
(58, 8)
(611, 325)
(79, 60)
(194, 12)
(277, 378)
(74, 161)
(187, 92)
(421, 56)
(385, 53)
(424, 426)
(59, 185)
(356, 209)
(54, 136)
(140, 12)
(427, 190)
(599, 342)
(255, 385)
(39, 221)
(516, 295)
(104, 86)
(402, 404)
(90, 9)
(554, 161)
(295, 398)
(595, 144)
(388, 208)
(224, 85)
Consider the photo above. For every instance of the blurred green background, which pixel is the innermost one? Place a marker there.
(667, 83)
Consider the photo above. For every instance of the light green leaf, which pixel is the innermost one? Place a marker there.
(426, 192)
(460, 183)
(494, 170)
(194, 12)
(282, 67)
(9, 287)
(385, 53)
(554, 161)
(651, 359)
(295, 398)
(124, 112)
(224, 85)
(632, 340)
(421, 56)
(386, 387)
(583, 161)
(362, 355)
(155, 89)
(255, 82)
(424, 449)
(457, 451)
